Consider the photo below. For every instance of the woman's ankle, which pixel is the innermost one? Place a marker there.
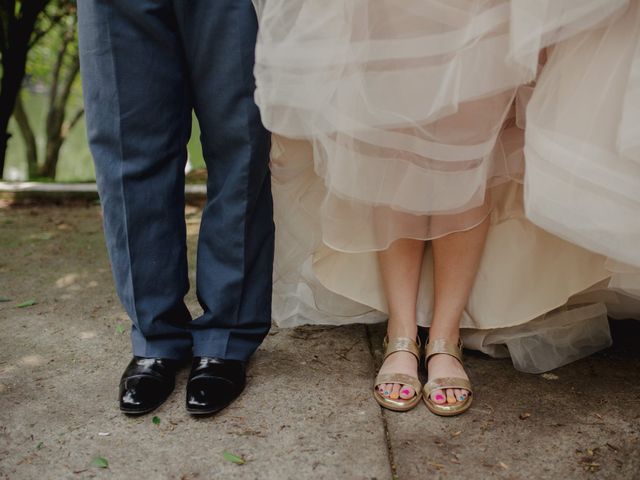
(450, 334)
(397, 331)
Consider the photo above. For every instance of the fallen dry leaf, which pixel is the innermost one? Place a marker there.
(592, 467)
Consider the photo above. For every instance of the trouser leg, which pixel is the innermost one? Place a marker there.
(138, 112)
(235, 249)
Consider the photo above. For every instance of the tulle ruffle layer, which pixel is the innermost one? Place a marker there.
(406, 119)
(583, 141)
(404, 103)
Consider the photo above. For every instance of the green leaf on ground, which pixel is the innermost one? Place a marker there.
(230, 457)
(28, 303)
(156, 420)
(42, 236)
(2, 299)
(119, 328)
(100, 462)
(40, 445)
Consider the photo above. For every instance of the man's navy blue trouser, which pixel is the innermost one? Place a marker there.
(146, 64)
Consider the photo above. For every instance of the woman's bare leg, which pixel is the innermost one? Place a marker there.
(456, 259)
(400, 265)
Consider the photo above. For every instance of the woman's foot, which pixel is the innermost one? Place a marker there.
(403, 363)
(446, 366)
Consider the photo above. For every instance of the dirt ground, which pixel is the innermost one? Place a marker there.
(307, 411)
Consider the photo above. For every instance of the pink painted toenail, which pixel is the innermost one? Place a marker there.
(439, 397)
(406, 392)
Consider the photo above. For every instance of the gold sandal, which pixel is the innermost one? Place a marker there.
(444, 347)
(400, 344)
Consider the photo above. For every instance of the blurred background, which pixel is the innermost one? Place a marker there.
(42, 132)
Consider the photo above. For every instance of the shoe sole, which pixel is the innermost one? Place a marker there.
(444, 412)
(212, 411)
(397, 406)
(205, 413)
(136, 413)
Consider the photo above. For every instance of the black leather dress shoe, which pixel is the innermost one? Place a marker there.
(213, 384)
(146, 383)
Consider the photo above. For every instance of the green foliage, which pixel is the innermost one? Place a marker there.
(55, 32)
(55, 41)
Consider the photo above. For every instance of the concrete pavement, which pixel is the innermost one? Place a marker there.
(307, 411)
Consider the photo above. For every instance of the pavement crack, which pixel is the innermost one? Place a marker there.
(383, 414)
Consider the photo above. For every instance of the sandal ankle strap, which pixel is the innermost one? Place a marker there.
(401, 344)
(445, 347)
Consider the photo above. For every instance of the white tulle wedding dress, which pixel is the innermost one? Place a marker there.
(418, 118)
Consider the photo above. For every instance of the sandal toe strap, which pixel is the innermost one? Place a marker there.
(447, 382)
(400, 378)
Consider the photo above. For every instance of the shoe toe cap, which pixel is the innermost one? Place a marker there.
(211, 393)
(141, 393)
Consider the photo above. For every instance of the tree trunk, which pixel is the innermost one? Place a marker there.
(56, 128)
(29, 138)
(14, 59)
(52, 154)
(13, 66)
